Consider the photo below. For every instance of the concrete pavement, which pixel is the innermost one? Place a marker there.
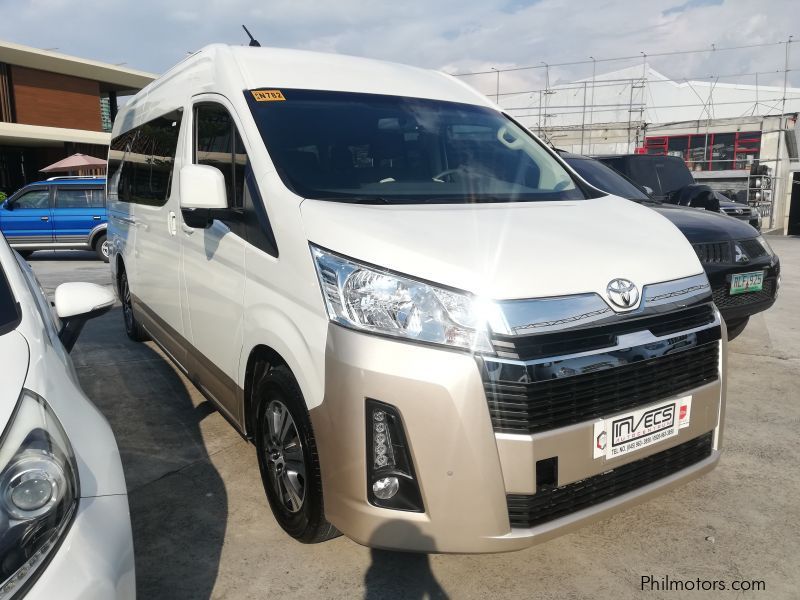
(203, 529)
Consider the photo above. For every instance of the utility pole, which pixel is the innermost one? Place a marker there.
(583, 116)
(591, 104)
(781, 119)
(497, 86)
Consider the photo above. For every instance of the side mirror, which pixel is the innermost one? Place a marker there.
(76, 303)
(202, 193)
(8, 205)
(648, 189)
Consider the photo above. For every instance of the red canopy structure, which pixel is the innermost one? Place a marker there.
(78, 164)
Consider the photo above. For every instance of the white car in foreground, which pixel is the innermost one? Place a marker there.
(65, 527)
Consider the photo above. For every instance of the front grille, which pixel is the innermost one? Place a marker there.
(557, 343)
(745, 212)
(713, 252)
(528, 408)
(548, 504)
(723, 299)
(752, 248)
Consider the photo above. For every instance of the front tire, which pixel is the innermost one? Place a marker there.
(132, 327)
(287, 458)
(102, 247)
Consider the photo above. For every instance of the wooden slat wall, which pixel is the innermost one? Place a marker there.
(55, 100)
(6, 114)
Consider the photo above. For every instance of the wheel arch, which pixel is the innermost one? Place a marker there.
(95, 233)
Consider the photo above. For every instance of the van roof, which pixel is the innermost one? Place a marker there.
(230, 70)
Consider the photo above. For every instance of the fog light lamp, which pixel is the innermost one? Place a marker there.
(385, 487)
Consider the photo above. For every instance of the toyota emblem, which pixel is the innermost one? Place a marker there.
(623, 293)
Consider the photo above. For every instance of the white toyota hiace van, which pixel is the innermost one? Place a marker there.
(438, 337)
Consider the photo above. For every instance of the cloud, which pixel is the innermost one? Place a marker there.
(455, 35)
(690, 4)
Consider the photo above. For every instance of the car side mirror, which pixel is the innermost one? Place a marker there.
(648, 190)
(202, 195)
(76, 303)
(8, 205)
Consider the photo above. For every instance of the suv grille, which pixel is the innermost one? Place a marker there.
(724, 300)
(714, 252)
(548, 504)
(745, 212)
(538, 406)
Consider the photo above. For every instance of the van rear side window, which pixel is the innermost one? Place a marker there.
(140, 161)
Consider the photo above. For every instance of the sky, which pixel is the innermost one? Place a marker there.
(457, 36)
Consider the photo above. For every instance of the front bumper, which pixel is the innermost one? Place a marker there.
(95, 559)
(465, 470)
(739, 307)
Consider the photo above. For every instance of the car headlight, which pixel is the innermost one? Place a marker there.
(377, 301)
(38, 491)
(767, 248)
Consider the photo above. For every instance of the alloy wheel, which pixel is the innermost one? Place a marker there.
(284, 453)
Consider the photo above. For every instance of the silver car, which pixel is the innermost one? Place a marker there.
(65, 527)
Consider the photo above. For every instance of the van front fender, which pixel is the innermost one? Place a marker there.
(302, 349)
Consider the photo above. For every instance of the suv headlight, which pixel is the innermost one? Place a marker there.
(377, 301)
(767, 248)
(38, 491)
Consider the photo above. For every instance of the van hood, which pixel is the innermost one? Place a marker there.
(15, 353)
(510, 250)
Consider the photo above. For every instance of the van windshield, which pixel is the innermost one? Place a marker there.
(372, 148)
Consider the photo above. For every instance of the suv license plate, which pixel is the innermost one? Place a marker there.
(637, 429)
(741, 283)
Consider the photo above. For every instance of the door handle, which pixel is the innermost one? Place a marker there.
(97, 217)
(186, 229)
(172, 221)
(45, 218)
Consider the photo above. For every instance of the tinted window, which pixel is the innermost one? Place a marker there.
(140, 161)
(9, 315)
(605, 178)
(34, 199)
(80, 198)
(218, 144)
(344, 146)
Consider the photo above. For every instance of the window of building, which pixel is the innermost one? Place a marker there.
(709, 152)
(86, 198)
(140, 161)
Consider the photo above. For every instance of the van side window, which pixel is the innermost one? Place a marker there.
(218, 144)
(77, 198)
(140, 161)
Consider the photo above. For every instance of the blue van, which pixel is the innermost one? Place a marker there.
(62, 212)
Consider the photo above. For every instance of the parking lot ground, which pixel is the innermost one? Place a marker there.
(203, 529)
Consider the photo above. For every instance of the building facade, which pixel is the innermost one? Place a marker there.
(740, 139)
(53, 105)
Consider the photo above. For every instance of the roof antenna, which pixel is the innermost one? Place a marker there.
(253, 41)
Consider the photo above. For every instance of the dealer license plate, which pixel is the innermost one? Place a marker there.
(741, 283)
(637, 429)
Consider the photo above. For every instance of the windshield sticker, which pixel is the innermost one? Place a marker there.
(268, 95)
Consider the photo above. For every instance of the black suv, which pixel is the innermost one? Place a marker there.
(669, 180)
(743, 271)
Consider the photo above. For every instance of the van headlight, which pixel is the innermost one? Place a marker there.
(377, 301)
(38, 491)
